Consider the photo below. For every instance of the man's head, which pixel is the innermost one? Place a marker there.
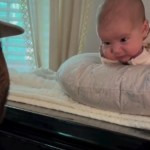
(122, 27)
(6, 30)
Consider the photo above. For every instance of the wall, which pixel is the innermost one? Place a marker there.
(92, 41)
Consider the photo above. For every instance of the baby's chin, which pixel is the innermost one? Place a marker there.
(125, 60)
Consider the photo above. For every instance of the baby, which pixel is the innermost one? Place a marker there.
(123, 29)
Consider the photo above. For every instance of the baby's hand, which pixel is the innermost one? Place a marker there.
(106, 53)
(101, 51)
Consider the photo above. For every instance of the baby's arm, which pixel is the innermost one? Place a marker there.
(142, 59)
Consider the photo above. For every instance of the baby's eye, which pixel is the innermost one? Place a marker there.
(124, 39)
(106, 43)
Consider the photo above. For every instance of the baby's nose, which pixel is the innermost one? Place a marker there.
(116, 49)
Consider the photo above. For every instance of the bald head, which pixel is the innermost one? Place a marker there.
(112, 10)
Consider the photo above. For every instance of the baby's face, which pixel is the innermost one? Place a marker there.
(121, 41)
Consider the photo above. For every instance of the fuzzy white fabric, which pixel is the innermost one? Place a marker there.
(40, 88)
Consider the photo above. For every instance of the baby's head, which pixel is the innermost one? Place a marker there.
(122, 27)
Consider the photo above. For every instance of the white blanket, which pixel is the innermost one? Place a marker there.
(40, 88)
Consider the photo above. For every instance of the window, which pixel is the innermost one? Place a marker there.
(18, 50)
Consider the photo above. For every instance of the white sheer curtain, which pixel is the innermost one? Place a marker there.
(85, 23)
(59, 28)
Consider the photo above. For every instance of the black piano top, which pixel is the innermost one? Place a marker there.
(55, 132)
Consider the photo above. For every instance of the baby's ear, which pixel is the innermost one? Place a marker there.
(145, 29)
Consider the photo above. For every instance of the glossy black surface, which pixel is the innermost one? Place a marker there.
(25, 130)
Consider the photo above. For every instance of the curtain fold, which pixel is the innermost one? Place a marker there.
(64, 29)
(40, 20)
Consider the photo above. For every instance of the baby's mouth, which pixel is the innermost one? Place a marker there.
(123, 58)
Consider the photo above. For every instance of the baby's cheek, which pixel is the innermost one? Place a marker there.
(134, 49)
